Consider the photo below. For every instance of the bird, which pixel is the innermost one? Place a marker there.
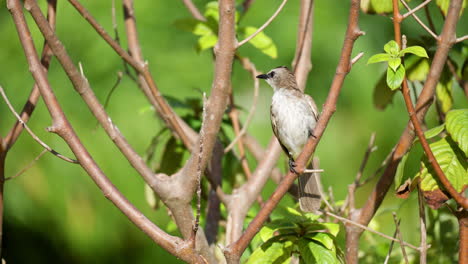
(294, 116)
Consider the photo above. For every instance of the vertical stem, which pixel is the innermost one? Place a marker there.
(422, 228)
(463, 225)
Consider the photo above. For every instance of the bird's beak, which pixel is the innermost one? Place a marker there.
(263, 76)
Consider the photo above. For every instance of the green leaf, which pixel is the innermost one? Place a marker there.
(392, 48)
(400, 172)
(444, 96)
(206, 42)
(457, 127)
(378, 6)
(444, 4)
(261, 41)
(395, 78)
(394, 63)
(418, 70)
(452, 161)
(331, 227)
(312, 252)
(281, 225)
(212, 11)
(273, 251)
(172, 156)
(416, 50)
(151, 198)
(444, 91)
(382, 96)
(379, 58)
(325, 239)
(434, 131)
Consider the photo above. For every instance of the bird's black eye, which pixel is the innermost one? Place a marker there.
(271, 74)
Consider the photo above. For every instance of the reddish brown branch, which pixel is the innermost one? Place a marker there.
(463, 230)
(234, 251)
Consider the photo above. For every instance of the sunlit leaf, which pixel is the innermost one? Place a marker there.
(392, 48)
(400, 172)
(212, 10)
(312, 252)
(452, 161)
(394, 63)
(395, 78)
(324, 238)
(272, 251)
(444, 5)
(457, 127)
(416, 50)
(418, 70)
(269, 229)
(378, 6)
(316, 226)
(261, 41)
(444, 96)
(206, 42)
(379, 58)
(434, 131)
(444, 91)
(151, 197)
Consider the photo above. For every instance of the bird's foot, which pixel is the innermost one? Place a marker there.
(292, 166)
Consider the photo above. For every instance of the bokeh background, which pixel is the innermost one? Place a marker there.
(55, 213)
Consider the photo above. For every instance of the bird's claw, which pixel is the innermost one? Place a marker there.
(292, 166)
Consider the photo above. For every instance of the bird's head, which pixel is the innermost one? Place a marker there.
(280, 77)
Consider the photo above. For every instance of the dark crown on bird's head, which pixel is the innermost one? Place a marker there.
(280, 77)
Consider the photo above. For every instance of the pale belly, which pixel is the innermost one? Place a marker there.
(295, 121)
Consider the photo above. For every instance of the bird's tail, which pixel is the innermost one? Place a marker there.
(309, 193)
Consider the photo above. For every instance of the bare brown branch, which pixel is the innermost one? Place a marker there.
(62, 127)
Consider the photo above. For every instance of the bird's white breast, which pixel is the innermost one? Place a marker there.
(295, 119)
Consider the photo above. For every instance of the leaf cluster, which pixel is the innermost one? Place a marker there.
(295, 234)
(207, 31)
(393, 56)
(450, 148)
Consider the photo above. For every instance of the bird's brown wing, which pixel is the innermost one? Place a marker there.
(312, 104)
(275, 131)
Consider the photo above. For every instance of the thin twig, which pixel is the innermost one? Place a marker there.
(418, 20)
(192, 8)
(357, 57)
(400, 237)
(263, 26)
(410, 12)
(249, 66)
(23, 170)
(363, 227)
(387, 258)
(36, 138)
(460, 39)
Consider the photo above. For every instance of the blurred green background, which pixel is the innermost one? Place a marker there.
(55, 213)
